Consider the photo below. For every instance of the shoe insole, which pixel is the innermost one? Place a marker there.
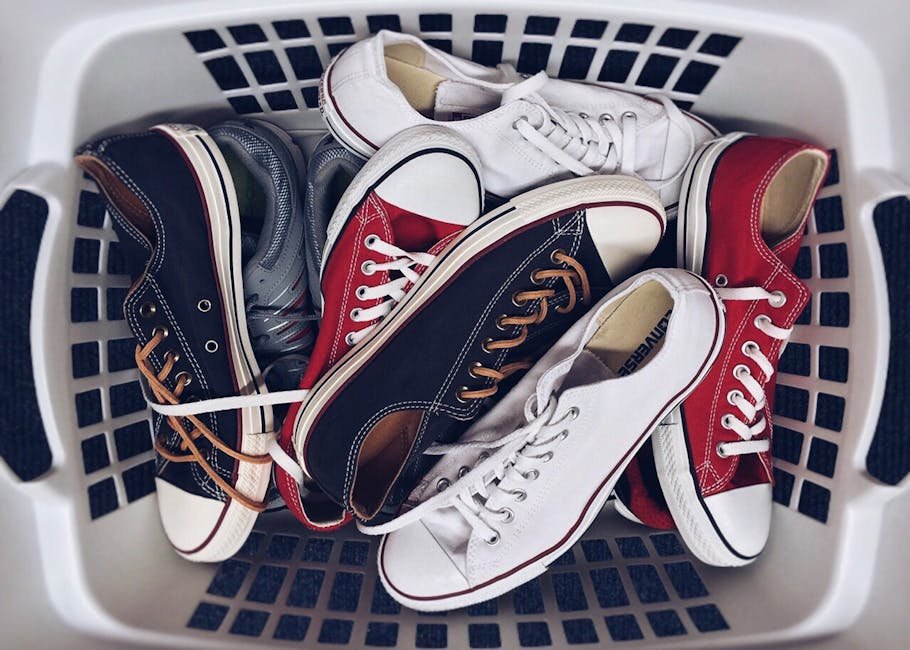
(632, 333)
(789, 195)
(405, 68)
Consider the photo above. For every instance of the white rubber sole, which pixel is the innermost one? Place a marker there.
(217, 187)
(480, 235)
(692, 220)
(671, 454)
(531, 571)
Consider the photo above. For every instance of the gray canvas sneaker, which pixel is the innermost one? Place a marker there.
(331, 170)
(267, 169)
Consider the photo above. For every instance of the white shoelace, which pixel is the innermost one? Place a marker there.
(737, 398)
(503, 475)
(586, 144)
(392, 291)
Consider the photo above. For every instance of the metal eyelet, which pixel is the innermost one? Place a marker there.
(473, 367)
(630, 114)
(160, 329)
(749, 347)
(606, 117)
(536, 280)
(370, 240)
(725, 421)
(781, 299)
(204, 305)
(368, 267)
(459, 396)
(147, 310)
(517, 300)
(484, 455)
(574, 412)
(485, 346)
(519, 495)
(547, 457)
(733, 396)
(494, 540)
(211, 346)
(172, 355)
(721, 280)
(349, 339)
(463, 470)
(740, 369)
(532, 475)
(553, 255)
(355, 313)
(189, 378)
(360, 292)
(759, 319)
(720, 450)
(563, 434)
(583, 115)
(442, 484)
(499, 325)
(507, 513)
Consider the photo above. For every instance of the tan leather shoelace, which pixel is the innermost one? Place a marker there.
(165, 396)
(571, 276)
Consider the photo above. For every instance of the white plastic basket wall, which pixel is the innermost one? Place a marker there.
(85, 547)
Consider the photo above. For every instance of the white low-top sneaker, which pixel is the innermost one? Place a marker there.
(529, 131)
(529, 478)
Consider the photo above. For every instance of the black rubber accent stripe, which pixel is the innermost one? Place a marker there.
(239, 325)
(387, 173)
(888, 458)
(23, 441)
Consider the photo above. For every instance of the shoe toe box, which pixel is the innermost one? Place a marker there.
(414, 566)
(189, 520)
(743, 519)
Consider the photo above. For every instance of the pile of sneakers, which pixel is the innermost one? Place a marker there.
(440, 326)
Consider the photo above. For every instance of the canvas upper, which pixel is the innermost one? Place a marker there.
(528, 131)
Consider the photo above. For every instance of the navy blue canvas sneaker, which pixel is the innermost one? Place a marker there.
(174, 207)
(506, 288)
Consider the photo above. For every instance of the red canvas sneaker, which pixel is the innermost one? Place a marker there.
(742, 214)
(404, 207)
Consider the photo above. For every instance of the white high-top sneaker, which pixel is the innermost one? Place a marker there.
(529, 131)
(504, 502)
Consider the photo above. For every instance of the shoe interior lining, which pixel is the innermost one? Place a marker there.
(633, 331)
(405, 68)
(789, 195)
(252, 201)
(381, 459)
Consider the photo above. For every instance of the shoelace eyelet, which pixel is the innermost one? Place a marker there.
(781, 299)
(172, 355)
(517, 300)
(720, 450)
(370, 240)
(733, 396)
(533, 475)
(518, 495)
(485, 346)
(147, 310)
(725, 421)
(547, 457)
(507, 515)
(605, 117)
(563, 434)
(189, 378)
(749, 347)
(473, 367)
(162, 330)
(573, 412)
(349, 339)
(484, 455)
(761, 318)
(630, 114)
(499, 325)
(204, 305)
(459, 394)
(493, 540)
(463, 470)
(721, 280)
(355, 313)
(442, 484)
(741, 369)
(553, 255)
(368, 267)
(360, 292)
(211, 346)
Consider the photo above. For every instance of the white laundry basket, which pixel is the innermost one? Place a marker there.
(83, 558)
